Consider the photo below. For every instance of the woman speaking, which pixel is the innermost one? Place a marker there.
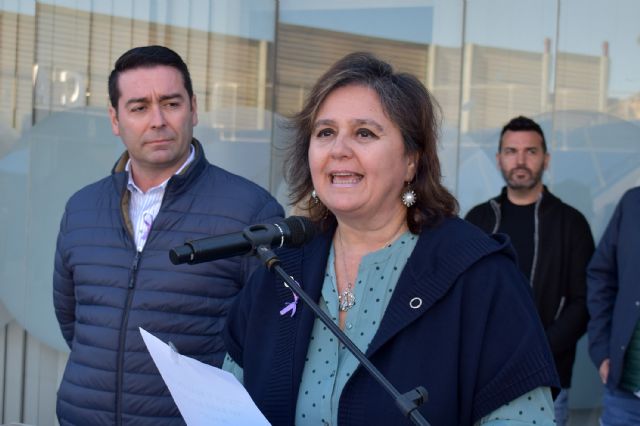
(431, 300)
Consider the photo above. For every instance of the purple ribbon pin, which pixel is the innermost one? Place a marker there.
(291, 306)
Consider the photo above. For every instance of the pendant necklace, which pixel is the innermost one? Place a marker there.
(346, 299)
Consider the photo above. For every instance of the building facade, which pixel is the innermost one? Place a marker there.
(572, 65)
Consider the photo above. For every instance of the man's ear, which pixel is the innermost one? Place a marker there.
(194, 110)
(547, 159)
(113, 117)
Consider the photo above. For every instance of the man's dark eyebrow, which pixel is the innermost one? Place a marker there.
(146, 100)
(136, 101)
(171, 96)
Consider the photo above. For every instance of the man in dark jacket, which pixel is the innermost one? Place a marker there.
(552, 239)
(112, 269)
(614, 305)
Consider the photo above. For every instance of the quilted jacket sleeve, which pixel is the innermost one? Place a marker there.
(63, 289)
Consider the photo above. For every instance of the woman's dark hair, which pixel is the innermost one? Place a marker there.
(408, 104)
(147, 57)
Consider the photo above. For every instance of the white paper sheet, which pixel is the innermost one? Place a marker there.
(205, 395)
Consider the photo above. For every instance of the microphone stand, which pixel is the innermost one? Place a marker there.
(408, 402)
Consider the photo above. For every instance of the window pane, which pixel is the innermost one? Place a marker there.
(55, 59)
(420, 37)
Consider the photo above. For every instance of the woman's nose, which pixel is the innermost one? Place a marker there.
(341, 146)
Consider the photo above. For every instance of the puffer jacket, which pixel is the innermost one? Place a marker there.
(104, 289)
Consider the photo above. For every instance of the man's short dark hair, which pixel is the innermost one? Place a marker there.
(523, 124)
(147, 57)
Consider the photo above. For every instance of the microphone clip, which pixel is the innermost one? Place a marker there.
(261, 248)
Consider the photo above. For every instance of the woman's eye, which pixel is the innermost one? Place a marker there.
(325, 133)
(365, 133)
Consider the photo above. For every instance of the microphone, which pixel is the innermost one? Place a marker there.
(293, 231)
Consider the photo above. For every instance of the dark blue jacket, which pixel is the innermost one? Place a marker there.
(475, 343)
(613, 281)
(104, 289)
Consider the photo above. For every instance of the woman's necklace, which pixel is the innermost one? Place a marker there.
(347, 299)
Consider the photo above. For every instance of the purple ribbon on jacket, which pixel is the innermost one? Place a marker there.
(291, 306)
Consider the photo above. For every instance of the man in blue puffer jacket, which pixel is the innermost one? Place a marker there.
(112, 269)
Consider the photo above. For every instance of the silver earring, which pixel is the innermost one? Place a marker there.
(408, 196)
(314, 197)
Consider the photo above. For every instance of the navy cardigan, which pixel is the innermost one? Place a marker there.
(475, 343)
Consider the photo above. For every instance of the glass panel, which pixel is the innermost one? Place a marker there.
(507, 71)
(595, 128)
(55, 58)
(420, 37)
(573, 67)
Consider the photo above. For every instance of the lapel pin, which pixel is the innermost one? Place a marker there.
(415, 303)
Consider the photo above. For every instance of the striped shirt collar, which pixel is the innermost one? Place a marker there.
(131, 185)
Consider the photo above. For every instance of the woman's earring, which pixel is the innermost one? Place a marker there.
(408, 196)
(314, 197)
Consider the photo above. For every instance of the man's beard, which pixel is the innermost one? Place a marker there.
(514, 183)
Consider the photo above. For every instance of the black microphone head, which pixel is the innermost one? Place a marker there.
(301, 230)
